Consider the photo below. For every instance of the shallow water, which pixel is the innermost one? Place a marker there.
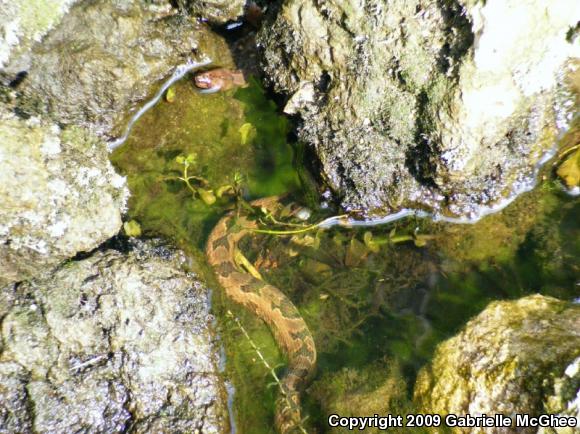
(377, 304)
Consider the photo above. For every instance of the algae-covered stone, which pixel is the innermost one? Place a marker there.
(59, 195)
(499, 236)
(565, 398)
(447, 105)
(112, 342)
(102, 57)
(510, 359)
(25, 22)
(569, 170)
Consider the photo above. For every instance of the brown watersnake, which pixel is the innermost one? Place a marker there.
(269, 304)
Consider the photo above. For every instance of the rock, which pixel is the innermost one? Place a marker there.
(23, 23)
(59, 195)
(441, 105)
(569, 171)
(565, 398)
(103, 57)
(512, 358)
(378, 388)
(113, 342)
(215, 11)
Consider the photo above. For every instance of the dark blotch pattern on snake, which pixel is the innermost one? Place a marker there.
(272, 306)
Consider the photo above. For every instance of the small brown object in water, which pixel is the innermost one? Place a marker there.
(254, 15)
(220, 79)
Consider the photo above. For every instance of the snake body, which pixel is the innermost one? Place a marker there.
(272, 306)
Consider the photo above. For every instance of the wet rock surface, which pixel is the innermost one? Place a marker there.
(24, 23)
(101, 58)
(215, 11)
(57, 95)
(114, 342)
(376, 389)
(59, 195)
(444, 105)
(565, 397)
(515, 357)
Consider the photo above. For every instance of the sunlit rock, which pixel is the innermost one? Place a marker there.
(216, 11)
(446, 105)
(516, 357)
(59, 195)
(23, 23)
(112, 342)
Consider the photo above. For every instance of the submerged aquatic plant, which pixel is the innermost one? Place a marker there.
(200, 187)
(264, 361)
(196, 184)
(247, 131)
(132, 228)
(569, 167)
(170, 94)
(267, 219)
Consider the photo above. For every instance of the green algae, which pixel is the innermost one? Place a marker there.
(209, 127)
(377, 301)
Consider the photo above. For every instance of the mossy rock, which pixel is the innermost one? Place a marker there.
(505, 361)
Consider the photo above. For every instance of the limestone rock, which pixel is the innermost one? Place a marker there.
(103, 57)
(23, 23)
(59, 195)
(445, 105)
(515, 357)
(111, 342)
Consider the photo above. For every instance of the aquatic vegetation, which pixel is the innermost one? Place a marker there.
(246, 130)
(170, 95)
(201, 190)
(339, 276)
(569, 168)
(378, 388)
(132, 228)
(209, 127)
(264, 362)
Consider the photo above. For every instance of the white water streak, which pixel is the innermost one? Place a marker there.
(178, 74)
(483, 210)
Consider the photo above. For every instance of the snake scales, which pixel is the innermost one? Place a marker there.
(272, 306)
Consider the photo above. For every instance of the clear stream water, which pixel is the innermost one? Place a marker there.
(377, 308)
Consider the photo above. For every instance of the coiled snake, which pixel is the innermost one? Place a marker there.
(272, 306)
